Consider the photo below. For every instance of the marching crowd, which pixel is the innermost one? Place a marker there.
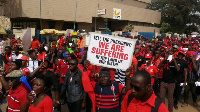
(160, 66)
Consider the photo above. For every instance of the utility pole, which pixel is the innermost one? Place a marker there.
(40, 14)
(75, 16)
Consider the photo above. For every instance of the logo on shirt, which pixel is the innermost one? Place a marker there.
(112, 88)
(151, 70)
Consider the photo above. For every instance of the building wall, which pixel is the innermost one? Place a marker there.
(145, 29)
(65, 10)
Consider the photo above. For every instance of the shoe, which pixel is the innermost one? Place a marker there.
(184, 105)
(176, 107)
(195, 104)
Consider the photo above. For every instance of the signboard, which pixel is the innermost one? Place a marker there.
(109, 51)
(101, 11)
(117, 13)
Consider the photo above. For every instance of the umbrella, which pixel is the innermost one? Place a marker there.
(194, 33)
(2, 31)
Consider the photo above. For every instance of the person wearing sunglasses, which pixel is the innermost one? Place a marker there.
(141, 97)
(73, 85)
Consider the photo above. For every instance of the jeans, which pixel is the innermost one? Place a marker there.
(75, 106)
(1, 60)
(190, 87)
(164, 87)
(177, 92)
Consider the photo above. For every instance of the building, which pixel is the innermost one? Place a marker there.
(60, 14)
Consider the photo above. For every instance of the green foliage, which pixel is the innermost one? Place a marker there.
(165, 27)
(177, 13)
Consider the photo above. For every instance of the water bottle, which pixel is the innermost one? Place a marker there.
(182, 92)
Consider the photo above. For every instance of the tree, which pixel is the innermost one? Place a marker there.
(180, 14)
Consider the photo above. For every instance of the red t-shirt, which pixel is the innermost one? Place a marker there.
(156, 63)
(35, 44)
(138, 106)
(26, 71)
(134, 62)
(45, 106)
(40, 56)
(62, 67)
(16, 98)
(9, 58)
(152, 69)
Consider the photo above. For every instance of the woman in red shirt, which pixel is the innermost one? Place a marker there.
(37, 100)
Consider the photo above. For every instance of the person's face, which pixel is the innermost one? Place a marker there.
(16, 50)
(104, 79)
(73, 47)
(36, 51)
(38, 86)
(12, 67)
(24, 63)
(13, 81)
(180, 56)
(68, 55)
(72, 65)
(174, 50)
(139, 89)
(1, 39)
(46, 64)
(148, 60)
(7, 51)
(59, 53)
(137, 51)
(157, 54)
(33, 55)
(33, 38)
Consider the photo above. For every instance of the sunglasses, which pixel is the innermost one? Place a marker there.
(72, 63)
(12, 78)
(136, 88)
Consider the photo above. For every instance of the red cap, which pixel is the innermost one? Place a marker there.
(148, 55)
(25, 58)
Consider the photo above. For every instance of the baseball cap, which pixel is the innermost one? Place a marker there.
(25, 58)
(15, 73)
(148, 55)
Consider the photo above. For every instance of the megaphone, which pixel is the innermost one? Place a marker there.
(24, 80)
(82, 51)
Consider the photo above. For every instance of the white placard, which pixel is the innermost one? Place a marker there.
(117, 13)
(109, 51)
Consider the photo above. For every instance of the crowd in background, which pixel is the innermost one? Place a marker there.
(167, 65)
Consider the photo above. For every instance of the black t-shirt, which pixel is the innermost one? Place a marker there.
(182, 64)
(168, 74)
(140, 60)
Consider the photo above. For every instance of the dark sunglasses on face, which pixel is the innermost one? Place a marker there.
(12, 78)
(72, 64)
(136, 88)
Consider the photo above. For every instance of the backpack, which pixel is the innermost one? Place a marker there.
(158, 102)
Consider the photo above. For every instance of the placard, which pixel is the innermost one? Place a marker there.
(109, 51)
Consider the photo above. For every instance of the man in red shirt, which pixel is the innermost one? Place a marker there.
(142, 98)
(149, 67)
(17, 95)
(24, 67)
(35, 43)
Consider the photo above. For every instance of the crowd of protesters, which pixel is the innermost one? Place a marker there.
(160, 65)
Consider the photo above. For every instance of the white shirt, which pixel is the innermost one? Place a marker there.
(32, 65)
(14, 56)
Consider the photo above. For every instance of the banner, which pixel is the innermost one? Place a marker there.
(26, 40)
(109, 51)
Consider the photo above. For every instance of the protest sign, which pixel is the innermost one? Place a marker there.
(109, 51)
